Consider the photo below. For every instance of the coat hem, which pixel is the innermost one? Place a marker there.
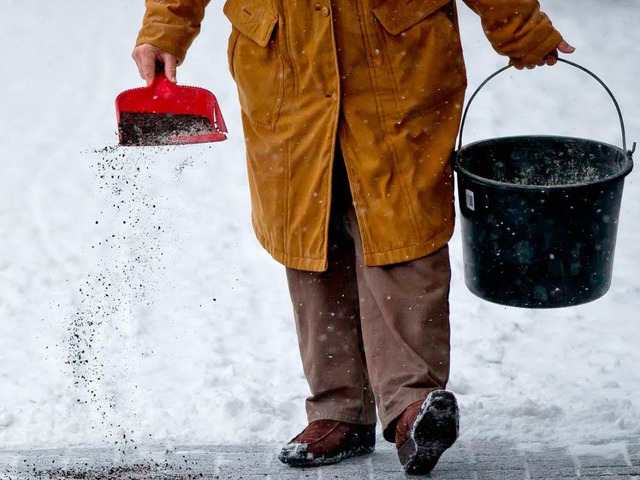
(292, 261)
(371, 259)
(411, 252)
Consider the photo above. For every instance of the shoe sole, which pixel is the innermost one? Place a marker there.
(434, 431)
(293, 458)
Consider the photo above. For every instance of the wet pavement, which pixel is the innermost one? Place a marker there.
(466, 460)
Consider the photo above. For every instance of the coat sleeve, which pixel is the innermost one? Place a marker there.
(517, 29)
(172, 25)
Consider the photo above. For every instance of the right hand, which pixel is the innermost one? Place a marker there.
(146, 56)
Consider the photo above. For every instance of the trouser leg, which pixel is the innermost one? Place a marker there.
(327, 315)
(398, 313)
(404, 310)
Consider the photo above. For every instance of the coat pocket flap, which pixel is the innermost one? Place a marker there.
(398, 15)
(253, 18)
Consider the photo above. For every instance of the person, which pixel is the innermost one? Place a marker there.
(350, 110)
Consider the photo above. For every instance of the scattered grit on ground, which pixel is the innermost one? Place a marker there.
(130, 261)
(466, 460)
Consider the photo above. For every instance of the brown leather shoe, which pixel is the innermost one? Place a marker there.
(425, 430)
(328, 441)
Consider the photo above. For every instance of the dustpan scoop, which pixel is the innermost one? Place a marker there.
(164, 113)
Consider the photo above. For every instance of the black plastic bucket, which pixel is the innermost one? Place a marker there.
(539, 216)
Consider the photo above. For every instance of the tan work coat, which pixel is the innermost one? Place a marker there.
(385, 78)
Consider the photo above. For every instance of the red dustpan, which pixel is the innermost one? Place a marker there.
(164, 113)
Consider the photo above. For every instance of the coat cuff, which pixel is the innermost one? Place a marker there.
(173, 39)
(526, 38)
(535, 52)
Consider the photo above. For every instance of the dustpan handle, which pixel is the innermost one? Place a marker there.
(160, 80)
(495, 74)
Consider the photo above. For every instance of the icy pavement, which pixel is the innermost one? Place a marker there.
(465, 460)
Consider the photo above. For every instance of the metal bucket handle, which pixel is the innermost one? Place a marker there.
(615, 102)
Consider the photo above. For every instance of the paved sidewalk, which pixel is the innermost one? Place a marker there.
(464, 461)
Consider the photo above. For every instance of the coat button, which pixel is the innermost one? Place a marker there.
(323, 9)
(333, 95)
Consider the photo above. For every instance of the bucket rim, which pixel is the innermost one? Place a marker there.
(628, 167)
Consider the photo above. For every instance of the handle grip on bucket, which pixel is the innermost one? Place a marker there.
(615, 102)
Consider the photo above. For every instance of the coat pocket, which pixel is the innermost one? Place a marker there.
(421, 42)
(396, 16)
(255, 60)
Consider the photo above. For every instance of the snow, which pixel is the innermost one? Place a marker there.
(184, 327)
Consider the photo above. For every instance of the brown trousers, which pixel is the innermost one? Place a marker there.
(370, 333)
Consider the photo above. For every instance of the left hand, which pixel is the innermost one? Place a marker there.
(551, 58)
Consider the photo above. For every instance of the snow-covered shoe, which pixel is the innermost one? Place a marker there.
(425, 430)
(328, 441)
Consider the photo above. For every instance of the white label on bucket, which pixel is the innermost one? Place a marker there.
(471, 202)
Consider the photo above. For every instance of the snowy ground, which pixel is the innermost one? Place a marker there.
(143, 270)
